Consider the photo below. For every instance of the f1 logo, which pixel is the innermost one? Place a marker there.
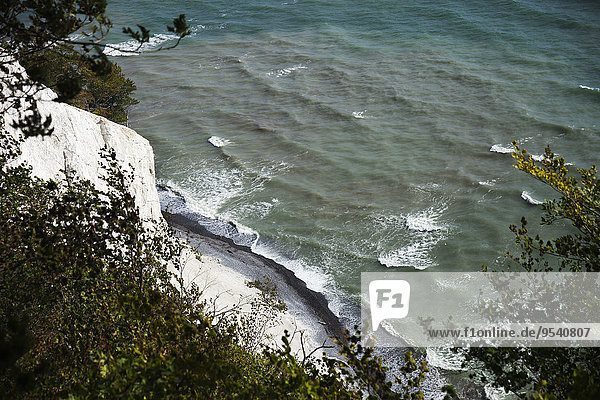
(389, 300)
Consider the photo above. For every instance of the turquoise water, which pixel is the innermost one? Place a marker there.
(357, 136)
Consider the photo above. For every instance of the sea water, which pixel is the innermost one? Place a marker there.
(351, 136)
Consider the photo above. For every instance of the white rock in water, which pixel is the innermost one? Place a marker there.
(75, 146)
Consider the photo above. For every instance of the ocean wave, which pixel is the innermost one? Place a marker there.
(315, 279)
(259, 209)
(322, 109)
(495, 393)
(218, 142)
(359, 114)
(286, 71)
(175, 199)
(206, 190)
(415, 255)
(589, 88)
(427, 220)
(78, 37)
(490, 182)
(427, 229)
(445, 358)
(132, 47)
(208, 27)
(502, 149)
(221, 191)
(537, 157)
(529, 199)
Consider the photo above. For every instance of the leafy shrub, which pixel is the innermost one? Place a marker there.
(552, 373)
(88, 309)
(96, 86)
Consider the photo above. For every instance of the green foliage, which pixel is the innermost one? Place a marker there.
(28, 27)
(552, 373)
(265, 312)
(78, 81)
(88, 309)
(579, 204)
(365, 373)
(67, 273)
(583, 388)
(41, 31)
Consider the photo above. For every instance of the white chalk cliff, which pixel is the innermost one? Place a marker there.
(75, 146)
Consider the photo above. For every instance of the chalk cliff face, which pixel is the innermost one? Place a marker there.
(75, 145)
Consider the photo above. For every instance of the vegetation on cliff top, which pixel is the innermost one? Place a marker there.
(78, 81)
(88, 309)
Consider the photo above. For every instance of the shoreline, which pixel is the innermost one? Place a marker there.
(311, 307)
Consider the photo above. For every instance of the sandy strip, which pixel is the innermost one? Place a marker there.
(222, 270)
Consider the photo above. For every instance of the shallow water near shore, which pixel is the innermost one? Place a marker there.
(344, 137)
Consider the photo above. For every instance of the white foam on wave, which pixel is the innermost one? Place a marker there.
(495, 393)
(315, 278)
(259, 209)
(428, 230)
(170, 200)
(218, 142)
(359, 114)
(445, 358)
(286, 71)
(427, 220)
(490, 182)
(196, 29)
(78, 37)
(177, 199)
(206, 203)
(537, 157)
(216, 191)
(528, 198)
(132, 47)
(502, 149)
(415, 255)
(589, 88)
(248, 232)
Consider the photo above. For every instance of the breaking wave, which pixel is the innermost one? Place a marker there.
(218, 142)
(132, 47)
(589, 88)
(529, 199)
(428, 230)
